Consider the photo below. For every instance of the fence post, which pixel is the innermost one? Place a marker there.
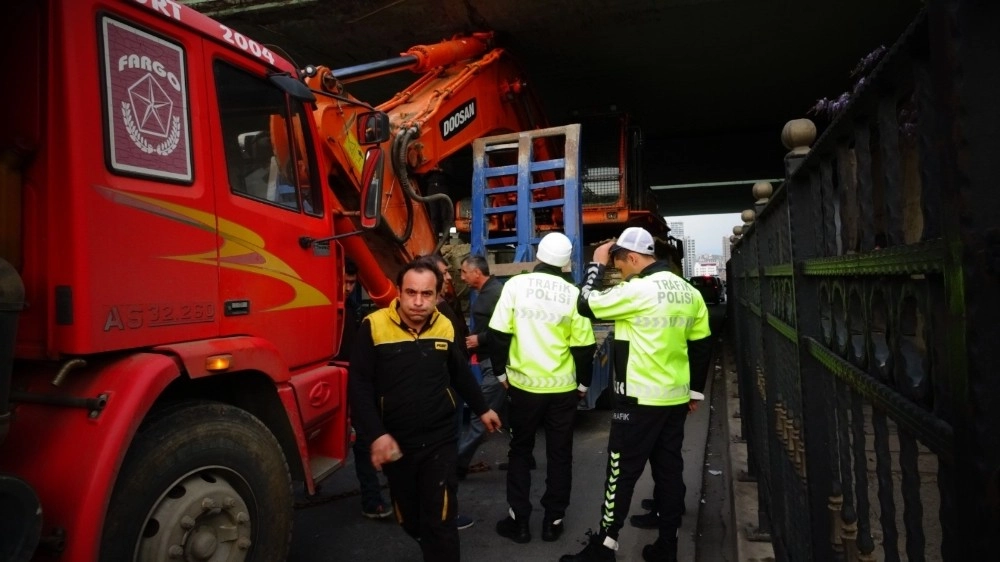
(804, 214)
(762, 191)
(797, 136)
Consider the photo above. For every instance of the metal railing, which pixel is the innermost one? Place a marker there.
(865, 300)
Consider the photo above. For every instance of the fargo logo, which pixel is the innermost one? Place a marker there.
(459, 119)
(149, 111)
(146, 98)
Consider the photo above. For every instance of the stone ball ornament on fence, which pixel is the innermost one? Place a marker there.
(762, 191)
(748, 216)
(738, 230)
(798, 135)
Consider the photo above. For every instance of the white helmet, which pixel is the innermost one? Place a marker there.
(555, 249)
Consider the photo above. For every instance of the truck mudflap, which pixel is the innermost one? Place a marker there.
(70, 456)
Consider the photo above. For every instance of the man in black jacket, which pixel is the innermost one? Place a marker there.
(404, 368)
(476, 274)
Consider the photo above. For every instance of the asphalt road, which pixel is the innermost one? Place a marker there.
(330, 526)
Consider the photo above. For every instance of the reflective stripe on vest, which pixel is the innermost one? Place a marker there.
(655, 394)
(556, 383)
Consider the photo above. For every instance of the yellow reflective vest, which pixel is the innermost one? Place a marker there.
(655, 313)
(539, 310)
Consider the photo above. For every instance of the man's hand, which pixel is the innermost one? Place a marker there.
(490, 420)
(603, 252)
(693, 406)
(385, 450)
(472, 342)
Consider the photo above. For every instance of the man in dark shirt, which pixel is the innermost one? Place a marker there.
(448, 303)
(476, 274)
(404, 368)
(373, 505)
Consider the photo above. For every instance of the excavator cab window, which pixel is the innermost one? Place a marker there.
(265, 132)
(600, 161)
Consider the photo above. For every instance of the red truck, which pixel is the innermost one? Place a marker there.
(171, 295)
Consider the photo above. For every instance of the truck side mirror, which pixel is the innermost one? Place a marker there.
(371, 187)
(292, 86)
(373, 127)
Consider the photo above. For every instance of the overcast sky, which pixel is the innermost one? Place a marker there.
(708, 230)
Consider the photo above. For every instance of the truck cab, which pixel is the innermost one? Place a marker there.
(165, 211)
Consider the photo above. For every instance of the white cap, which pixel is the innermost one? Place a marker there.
(555, 249)
(635, 239)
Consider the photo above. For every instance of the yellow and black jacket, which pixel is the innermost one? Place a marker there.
(403, 382)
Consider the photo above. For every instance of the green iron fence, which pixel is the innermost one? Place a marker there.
(865, 298)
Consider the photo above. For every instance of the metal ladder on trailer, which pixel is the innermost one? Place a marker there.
(530, 165)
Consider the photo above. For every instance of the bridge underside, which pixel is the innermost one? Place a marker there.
(711, 82)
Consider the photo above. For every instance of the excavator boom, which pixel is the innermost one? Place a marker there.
(421, 58)
(467, 90)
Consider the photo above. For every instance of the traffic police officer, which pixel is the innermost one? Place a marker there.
(545, 357)
(661, 352)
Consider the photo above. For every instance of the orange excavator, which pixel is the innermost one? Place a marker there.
(468, 89)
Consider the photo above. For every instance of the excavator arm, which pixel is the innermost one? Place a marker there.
(467, 89)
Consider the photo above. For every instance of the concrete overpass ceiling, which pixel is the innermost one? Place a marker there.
(711, 82)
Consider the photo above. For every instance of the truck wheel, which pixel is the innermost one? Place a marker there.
(203, 481)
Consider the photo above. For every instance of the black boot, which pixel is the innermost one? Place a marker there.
(645, 521)
(515, 530)
(663, 550)
(595, 551)
(649, 505)
(551, 528)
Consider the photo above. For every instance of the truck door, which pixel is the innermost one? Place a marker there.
(268, 198)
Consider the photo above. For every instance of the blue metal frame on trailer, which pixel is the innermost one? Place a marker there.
(525, 238)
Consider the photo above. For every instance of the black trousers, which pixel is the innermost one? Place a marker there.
(527, 412)
(423, 487)
(640, 434)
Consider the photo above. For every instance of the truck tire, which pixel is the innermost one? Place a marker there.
(202, 481)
